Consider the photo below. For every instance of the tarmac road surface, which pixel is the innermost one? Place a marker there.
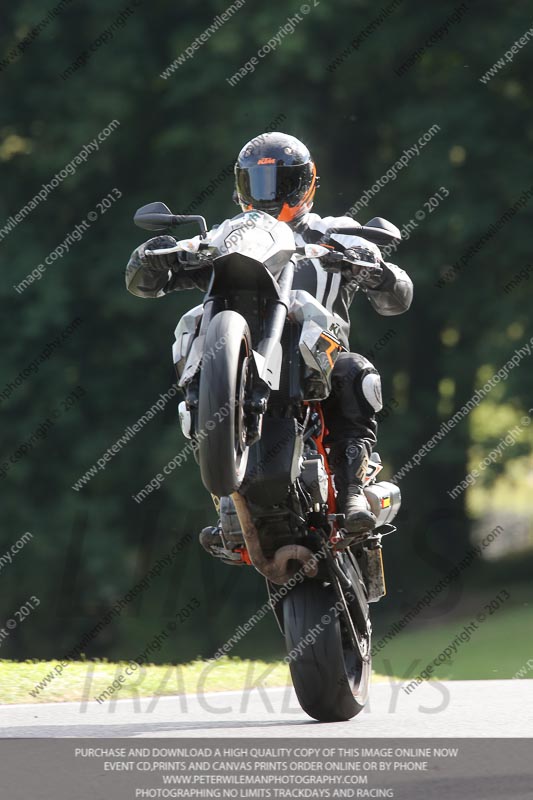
(435, 709)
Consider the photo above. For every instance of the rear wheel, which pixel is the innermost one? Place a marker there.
(330, 677)
(222, 449)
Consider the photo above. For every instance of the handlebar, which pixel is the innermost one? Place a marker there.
(203, 258)
(157, 217)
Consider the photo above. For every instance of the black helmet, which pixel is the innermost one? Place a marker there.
(275, 173)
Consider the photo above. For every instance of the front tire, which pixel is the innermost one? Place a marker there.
(222, 449)
(330, 679)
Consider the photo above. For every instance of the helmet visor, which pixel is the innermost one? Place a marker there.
(272, 184)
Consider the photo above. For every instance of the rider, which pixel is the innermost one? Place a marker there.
(276, 174)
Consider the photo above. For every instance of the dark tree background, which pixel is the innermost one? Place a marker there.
(176, 136)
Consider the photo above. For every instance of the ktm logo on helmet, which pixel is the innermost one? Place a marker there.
(267, 161)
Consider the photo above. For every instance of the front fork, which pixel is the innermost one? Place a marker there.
(255, 405)
(191, 389)
(257, 392)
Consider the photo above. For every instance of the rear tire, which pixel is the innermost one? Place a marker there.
(330, 678)
(222, 450)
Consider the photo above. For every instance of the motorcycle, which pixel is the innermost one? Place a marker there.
(254, 361)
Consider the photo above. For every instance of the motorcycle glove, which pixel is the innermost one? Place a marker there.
(360, 265)
(169, 261)
(366, 267)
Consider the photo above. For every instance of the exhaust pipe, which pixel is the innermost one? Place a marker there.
(275, 569)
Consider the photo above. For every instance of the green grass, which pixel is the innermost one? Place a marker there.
(88, 679)
(500, 646)
(498, 649)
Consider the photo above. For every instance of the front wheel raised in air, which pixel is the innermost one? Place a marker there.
(222, 449)
(330, 678)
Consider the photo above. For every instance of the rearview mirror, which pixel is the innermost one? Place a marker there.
(383, 230)
(158, 216)
(153, 217)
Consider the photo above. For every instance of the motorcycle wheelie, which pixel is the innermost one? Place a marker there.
(255, 363)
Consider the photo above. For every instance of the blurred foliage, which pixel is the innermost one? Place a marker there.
(175, 137)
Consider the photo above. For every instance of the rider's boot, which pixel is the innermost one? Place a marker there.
(210, 537)
(214, 542)
(349, 462)
(223, 539)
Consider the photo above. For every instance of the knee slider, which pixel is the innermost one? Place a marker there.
(371, 388)
(357, 385)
